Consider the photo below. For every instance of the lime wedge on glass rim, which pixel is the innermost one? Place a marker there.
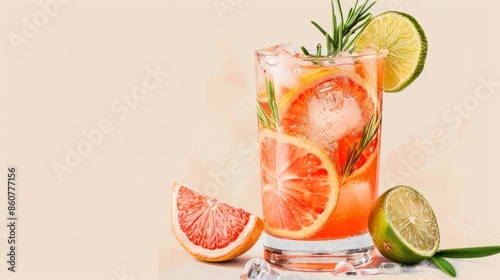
(401, 37)
(403, 226)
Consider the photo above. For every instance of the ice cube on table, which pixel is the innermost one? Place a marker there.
(345, 269)
(258, 269)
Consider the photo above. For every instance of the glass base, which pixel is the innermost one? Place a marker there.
(322, 255)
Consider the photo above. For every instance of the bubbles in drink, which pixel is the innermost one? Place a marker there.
(328, 102)
(334, 99)
(280, 66)
(345, 61)
(331, 114)
(361, 195)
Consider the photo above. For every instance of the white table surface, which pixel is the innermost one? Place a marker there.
(177, 264)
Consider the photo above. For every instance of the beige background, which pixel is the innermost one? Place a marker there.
(67, 69)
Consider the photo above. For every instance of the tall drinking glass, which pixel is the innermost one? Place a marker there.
(319, 122)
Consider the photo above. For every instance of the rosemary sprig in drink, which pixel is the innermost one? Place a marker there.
(355, 152)
(344, 32)
(269, 121)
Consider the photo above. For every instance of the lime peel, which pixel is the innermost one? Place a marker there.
(401, 36)
(403, 226)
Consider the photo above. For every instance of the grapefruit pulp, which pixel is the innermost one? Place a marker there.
(300, 186)
(211, 230)
(330, 108)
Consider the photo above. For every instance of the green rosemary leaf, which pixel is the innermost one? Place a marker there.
(329, 45)
(369, 7)
(345, 29)
(364, 17)
(269, 121)
(340, 12)
(263, 116)
(471, 252)
(305, 51)
(355, 152)
(363, 24)
(346, 39)
(272, 103)
(319, 28)
(340, 41)
(349, 15)
(349, 44)
(352, 9)
(353, 15)
(318, 50)
(444, 265)
(334, 27)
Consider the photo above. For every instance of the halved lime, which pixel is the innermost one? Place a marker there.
(403, 226)
(403, 39)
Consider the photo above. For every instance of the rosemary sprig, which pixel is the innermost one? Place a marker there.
(344, 31)
(355, 152)
(266, 122)
(444, 265)
(269, 121)
(471, 252)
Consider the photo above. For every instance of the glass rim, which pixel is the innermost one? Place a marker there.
(307, 59)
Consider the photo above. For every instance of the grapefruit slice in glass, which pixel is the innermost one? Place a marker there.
(331, 108)
(211, 230)
(300, 186)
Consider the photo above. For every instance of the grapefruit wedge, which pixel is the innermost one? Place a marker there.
(210, 230)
